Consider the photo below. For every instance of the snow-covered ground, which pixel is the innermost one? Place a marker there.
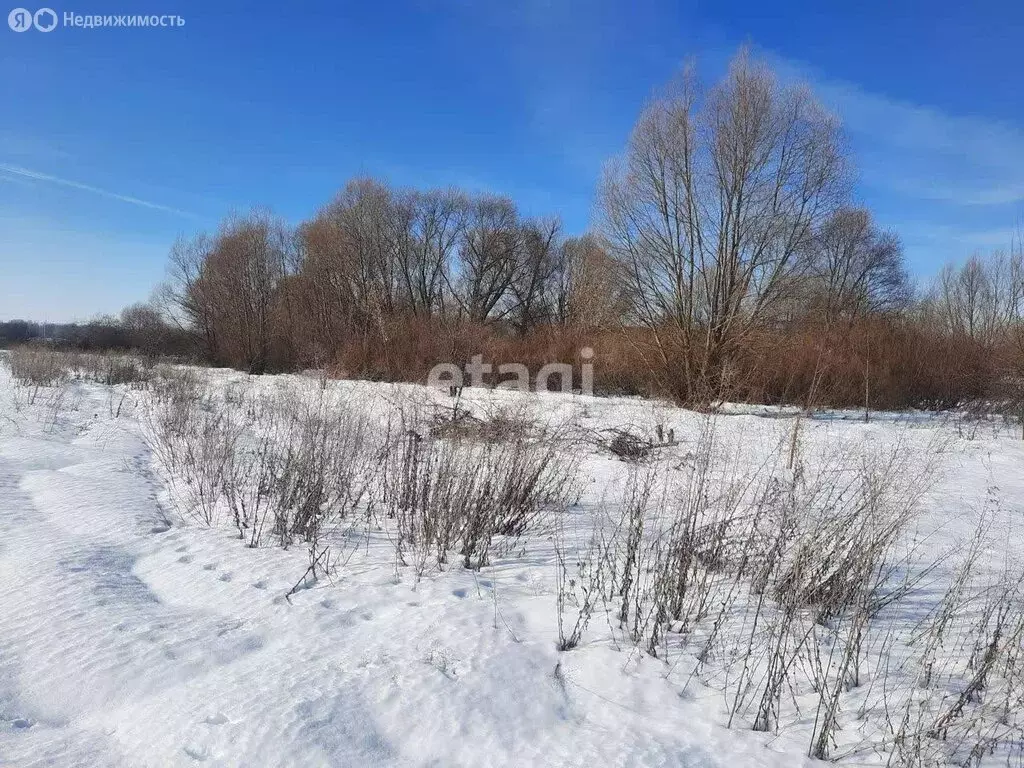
(132, 635)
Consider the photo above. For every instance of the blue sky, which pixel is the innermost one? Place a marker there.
(113, 141)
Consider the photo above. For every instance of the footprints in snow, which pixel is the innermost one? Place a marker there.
(463, 592)
(226, 576)
(198, 750)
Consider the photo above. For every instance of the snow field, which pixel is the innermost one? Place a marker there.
(133, 633)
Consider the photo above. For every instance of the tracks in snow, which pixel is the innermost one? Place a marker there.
(82, 634)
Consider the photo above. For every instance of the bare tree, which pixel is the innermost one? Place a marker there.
(430, 225)
(984, 298)
(349, 259)
(247, 265)
(587, 285)
(489, 258)
(531, 297)
(226, 287)
(716, 196)
(856, 268)
(187, 301)
(146, 329)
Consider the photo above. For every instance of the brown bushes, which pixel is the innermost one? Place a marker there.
(409, 347)
(893, 363)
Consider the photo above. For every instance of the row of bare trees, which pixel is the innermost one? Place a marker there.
(982, 299)
(729, 216)
(375, 254)
(381, 252)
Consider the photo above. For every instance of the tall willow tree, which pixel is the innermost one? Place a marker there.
(710, 210)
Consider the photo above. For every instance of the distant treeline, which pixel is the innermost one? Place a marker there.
(140, 328)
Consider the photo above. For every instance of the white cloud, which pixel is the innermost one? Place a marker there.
(921, 152)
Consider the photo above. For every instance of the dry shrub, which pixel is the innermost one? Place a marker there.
(774, 576)
(176, 387)
(462, 493)
(964, 702)
(112, 368)
(39, 367)
(1006, 397)
(125, 370)
(303, 467)
(195, 442)
(503, 425)
(288, 466)
(406, 349)
(893, 363)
